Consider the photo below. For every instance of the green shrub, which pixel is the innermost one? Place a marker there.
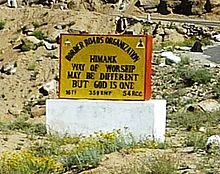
(25, 47)
(187, 42)
(151, 144)
(89, 150)
(184, 60)
(216, 89)
(197, 140)
(83, 160)
(190, 75)
(2, 24)
(195, 120)
(206, 41)
(38, 34)
(38, 23)
(201, 76)
(32, 66)
(162, 164)
(21, 124)
(41, 149)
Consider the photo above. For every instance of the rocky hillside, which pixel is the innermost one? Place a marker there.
(188, 80)
(29, 48)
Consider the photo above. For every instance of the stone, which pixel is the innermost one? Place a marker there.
(211, 65)
(121, 24)
(209, 105)
(217, 37)
(122, 5)
(53, 54)
(203, 129)
(182, 48)
(212, 142)
(38, 111)
(33, 39)
(162, 7)
(171, 57)
(60, 26)
(172, 34)
(63, 6)
(197, 47)
(49, 46)
(48, 87)
(9, 68)
(14, 111)
(192, 108)
(3, 1)
(186, 149)
(28, 29)
(12, 3)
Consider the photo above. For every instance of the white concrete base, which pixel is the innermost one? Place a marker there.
(85, 117)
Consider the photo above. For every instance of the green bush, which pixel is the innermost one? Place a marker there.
(184, 60)
(190, 75)
(21, 124)
(216, 89)
(38, 34)
(187, 42)
(41, 149)
(31, 66)
(195, 120)
(38, 23)
(162, 164)
(2, 24)
(25, 47)
(206, 41)
(201, 76)
(197, 140)
(89, 150)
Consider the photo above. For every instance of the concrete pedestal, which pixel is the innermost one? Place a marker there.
(144, 119)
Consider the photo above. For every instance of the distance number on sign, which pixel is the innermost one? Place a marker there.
(132, 93)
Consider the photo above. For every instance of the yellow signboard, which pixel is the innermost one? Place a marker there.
(103, 67)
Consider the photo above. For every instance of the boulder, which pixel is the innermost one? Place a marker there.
(121, 24)
(33, 40)
(209, 105)
(14, 111)
(48, 87)
(171, 57)
(3, 1)
(28, 29)
(38, 111)
(213, 142)
(162, 7)
(12, 3)
(54, 36)
(49, 46)
(197, 46)
(183, 7)
(217, 37)
(9, 68)
(172, 34)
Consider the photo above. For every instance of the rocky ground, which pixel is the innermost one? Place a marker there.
(29, 60)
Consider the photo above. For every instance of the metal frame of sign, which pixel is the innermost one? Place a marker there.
(73, 86)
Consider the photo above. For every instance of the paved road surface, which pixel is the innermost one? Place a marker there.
(201, 22)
